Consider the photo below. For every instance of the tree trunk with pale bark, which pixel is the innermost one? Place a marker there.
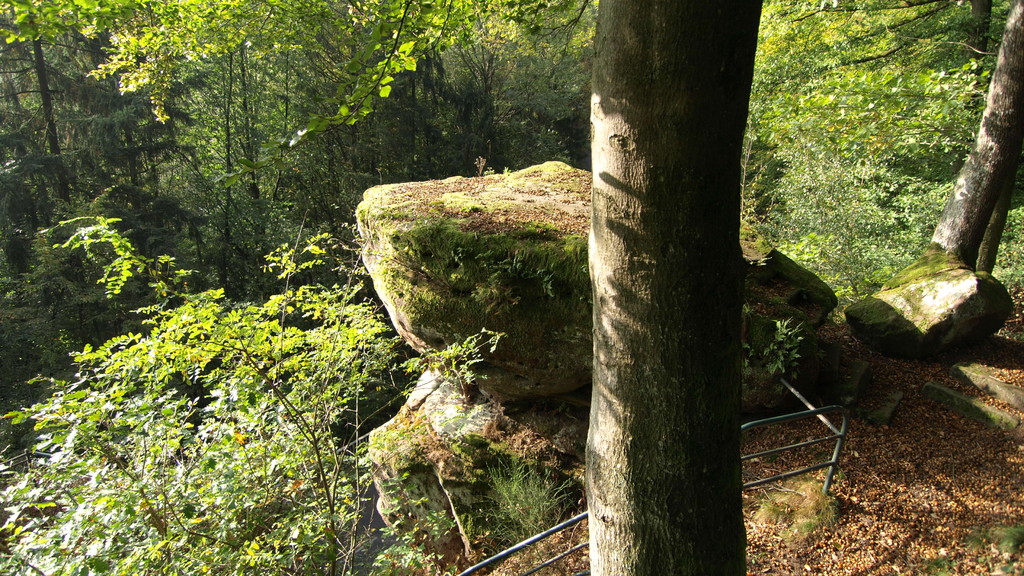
(997, 148)
(671, 88)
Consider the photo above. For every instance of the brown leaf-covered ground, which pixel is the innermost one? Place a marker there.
(920, 496)
(925, 495)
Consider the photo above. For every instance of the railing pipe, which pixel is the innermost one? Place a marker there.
(839, 437)
(547, 563)
(836, 453)
(809, 406)
(524, 544)
(773, 451)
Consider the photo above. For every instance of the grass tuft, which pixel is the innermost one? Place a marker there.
(526, 501)
(801, 507)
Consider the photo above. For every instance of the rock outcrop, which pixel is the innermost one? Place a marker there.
(785, 306)
(508, 253)
(437, 460)
(935, 304)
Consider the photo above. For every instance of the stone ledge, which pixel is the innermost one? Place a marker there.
(984, 378)
(970, 408)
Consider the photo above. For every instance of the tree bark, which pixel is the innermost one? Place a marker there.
(671, 88)
(996, 149)
(996, 225)
(49, 120)
(981, 18)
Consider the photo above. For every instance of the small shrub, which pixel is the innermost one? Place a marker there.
(938, 567)
(526, 501)
(1002, 549)
(774, 345)
(1010, 539)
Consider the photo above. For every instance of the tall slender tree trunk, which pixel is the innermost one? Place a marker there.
(978, 40)
(670, 95)
(49, 120)
(996, 225)
(249, 144)
(223, 267)
(997, 148)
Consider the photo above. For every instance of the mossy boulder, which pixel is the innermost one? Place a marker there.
(933, 305)
(508, 253)
(435, 461)
(785, 306)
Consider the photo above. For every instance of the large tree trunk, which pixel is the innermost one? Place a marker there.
(996, 149)
(671, 88)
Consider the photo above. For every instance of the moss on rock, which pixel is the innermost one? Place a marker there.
(934, 261)
(438, 456)
(505, 253)
(509, 253)
(934, 304)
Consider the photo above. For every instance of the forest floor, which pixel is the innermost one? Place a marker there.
(930, 494)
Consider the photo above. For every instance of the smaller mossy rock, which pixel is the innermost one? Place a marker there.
(831, 360)
(986, 378)
(435, 460)
(411, 495)
(933, 305)
(883, 415)
(970, 408)
(785, 304)
(775, 281)
(507, 253)
(849, 389)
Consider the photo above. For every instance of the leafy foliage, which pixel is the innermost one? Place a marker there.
(777, 348)
(455, 362)
(210, 443)
(861, 116)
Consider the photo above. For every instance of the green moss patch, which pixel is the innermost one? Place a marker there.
(934, 261)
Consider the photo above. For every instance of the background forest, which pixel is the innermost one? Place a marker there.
(862, 114)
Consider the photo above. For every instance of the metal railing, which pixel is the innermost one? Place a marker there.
(20, 461)
(530, 542)
(837, 434)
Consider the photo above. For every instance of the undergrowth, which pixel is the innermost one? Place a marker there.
(526, 501)
(800, 508)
